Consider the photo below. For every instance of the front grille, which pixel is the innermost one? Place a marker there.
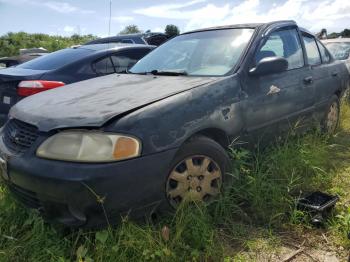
(28, 198)
(19, 136)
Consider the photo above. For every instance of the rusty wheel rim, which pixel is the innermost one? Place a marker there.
(196, 178)
(332, 118)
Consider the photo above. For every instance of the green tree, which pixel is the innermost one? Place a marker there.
(172, 30)
(10, 43)
(130, 29)
(345, 33)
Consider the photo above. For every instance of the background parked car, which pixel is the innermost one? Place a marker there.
(25, 55)
(157, 136)
(340, 49)
(64, 67)
(150, 38)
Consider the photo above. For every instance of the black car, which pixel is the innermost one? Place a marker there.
(64, 67)
(148, 38)
(130, 143)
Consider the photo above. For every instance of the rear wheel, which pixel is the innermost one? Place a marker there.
(197, 172)
(331, 120)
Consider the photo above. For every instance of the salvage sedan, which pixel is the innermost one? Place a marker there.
(141, 142)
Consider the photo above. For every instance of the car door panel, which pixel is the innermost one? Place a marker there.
(271, 113)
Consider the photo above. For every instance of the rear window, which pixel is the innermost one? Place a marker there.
(56, 59)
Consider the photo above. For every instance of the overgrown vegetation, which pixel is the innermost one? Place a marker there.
(10, 43)
(256, 216)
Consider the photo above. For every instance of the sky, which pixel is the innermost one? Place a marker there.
(68, 17)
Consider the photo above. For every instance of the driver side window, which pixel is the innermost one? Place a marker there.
(284, 43)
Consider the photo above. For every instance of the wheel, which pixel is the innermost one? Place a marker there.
(331, 120)
(197, 171)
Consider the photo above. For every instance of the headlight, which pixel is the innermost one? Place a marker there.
(89, 146)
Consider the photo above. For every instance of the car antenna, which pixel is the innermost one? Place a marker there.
(110, 17)
(109, 31)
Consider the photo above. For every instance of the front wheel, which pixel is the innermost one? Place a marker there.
(197, 172)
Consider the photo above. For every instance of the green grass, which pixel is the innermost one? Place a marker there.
(252, 220)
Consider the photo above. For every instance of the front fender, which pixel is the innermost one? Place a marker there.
(166, 124)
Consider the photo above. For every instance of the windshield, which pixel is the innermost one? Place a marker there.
(340, 50)
(56, 59)
(209, 53)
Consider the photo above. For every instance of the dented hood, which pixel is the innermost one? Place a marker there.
(95, 101)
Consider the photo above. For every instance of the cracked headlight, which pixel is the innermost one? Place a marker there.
(89, 146)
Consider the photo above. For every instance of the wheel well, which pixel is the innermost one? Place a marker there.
(216, 134)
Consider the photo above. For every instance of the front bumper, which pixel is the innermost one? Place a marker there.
(80, 194)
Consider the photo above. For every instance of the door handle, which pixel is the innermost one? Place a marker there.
(308, 80)
(335, 73)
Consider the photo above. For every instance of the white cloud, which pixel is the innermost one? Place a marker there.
(64, 7)
(68, 29)
(157, 29)
(311, 14)
(172, 11)
(58, 6)
(122, 19)
(61, 7)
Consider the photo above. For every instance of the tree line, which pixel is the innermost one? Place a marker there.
(10, 43)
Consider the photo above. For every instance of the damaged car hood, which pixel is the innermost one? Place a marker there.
(95, 101)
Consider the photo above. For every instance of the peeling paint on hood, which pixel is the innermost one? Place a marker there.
(95, 101)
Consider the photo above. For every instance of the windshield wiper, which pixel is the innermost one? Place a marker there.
(162, 73)
(169, 72)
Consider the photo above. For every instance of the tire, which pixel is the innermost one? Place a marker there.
(197, 172)
(330, 121)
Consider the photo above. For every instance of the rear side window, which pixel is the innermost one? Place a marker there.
(284, 43)
(125, 59)
(313, 55)
(57, 59)
(103, 66)
(324, 54)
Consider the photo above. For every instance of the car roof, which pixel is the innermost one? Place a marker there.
(224, 27)
(336, 40)
(248, 25)
(137, 37)
(112, 46)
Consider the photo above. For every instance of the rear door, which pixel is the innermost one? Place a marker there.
(276, 101)
(325, 74)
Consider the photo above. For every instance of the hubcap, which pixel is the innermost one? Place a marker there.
(197, 178)
(332, 118)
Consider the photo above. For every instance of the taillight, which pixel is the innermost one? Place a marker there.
(31, 87)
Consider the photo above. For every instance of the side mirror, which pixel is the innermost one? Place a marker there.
(270, 65)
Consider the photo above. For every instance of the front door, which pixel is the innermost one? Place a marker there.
(274, 101)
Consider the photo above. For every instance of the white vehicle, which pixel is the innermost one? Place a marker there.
(340, 49)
